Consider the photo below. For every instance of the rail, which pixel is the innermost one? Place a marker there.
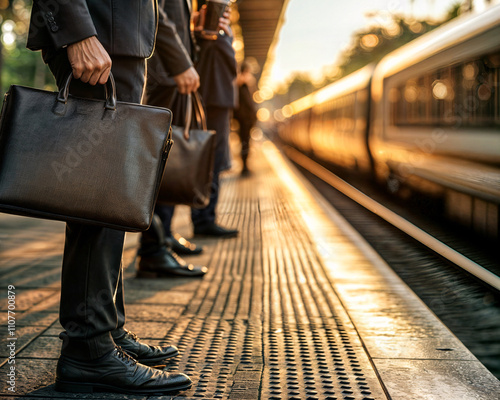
(394, 219)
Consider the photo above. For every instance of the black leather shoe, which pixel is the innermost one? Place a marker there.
(167, 263)
(180, 245)
(215, 230)
(115, 372)
(142, 352)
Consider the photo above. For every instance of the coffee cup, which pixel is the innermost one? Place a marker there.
(215, 10)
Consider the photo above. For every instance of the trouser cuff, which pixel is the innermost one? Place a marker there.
(118, 333)
(87, 349)
(151, 250)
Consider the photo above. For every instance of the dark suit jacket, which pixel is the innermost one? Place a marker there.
(175, 48)
(124, 28)
(217, 69)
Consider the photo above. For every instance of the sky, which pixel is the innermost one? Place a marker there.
(316, 31)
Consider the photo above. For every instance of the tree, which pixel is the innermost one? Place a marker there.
(369, 45)
(19, 65)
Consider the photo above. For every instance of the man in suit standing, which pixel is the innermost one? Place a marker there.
(90, 38)
(217, 64)
(159, 247)
(217, 69)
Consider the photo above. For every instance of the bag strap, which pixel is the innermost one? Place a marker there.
(195, 114)
(188, 116)
(200, 111)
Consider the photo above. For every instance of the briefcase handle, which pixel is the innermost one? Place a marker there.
(110, 88)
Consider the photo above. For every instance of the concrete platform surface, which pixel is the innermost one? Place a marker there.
(298, 306)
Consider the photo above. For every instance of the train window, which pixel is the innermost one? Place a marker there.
(337, 114)
(423, 100)
(462, 95)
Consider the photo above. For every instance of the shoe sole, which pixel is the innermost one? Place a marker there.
(78, 387)
(186, 252)
(148, 274)
(207, 235)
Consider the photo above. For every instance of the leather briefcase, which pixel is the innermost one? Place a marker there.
(188, 175)
(82, 160)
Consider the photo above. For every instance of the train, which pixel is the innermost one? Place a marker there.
(425, 118)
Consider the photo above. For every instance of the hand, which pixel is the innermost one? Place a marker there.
(90, 61)
(187, 81)
(224, 23)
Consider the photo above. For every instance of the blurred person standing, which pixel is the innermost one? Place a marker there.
(81, 38)
(245, 113)
(217, 69)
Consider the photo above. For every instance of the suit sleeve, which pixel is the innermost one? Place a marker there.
(169, 48)
(67, 21)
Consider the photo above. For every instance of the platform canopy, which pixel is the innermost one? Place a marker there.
(259, 20)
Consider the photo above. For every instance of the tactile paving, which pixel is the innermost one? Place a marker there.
(266, 323)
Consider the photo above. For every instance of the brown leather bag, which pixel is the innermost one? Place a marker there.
(188, 175)
(81, 160)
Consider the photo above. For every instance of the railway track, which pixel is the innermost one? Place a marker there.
(458, 281)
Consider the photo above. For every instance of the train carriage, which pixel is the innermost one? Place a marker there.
(426, 117)
(436, 118)
(332, 123)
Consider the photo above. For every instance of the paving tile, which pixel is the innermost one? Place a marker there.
(157, 284)
(46, 347)
(31, 375)
(27, 298)
(397, 324)
(140, 296)
(37, 273)
(149, 330)
(24, 335)
(54, 329)
(430, 379)
(447, 348)
(49, 304)
(29, 317)
(155, 313)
